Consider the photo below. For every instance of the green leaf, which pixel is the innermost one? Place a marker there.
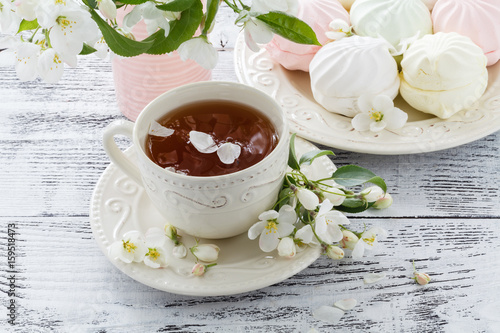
(118, 43)
(352, 175)
(133, 2)
(292, 157)
(212, 8)
(176, 5)
(87, 49)
(309, 157)
(352, 205)
(28, 25)
(180, 30)
(289, 27)
(91, 3)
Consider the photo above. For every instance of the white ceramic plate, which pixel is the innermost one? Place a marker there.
(119, 205)
(423, 132)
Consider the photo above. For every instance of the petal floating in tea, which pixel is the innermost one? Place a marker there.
(158, 130)
(228, 152)
(203, 142)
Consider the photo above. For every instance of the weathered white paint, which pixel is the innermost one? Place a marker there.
(446, 217)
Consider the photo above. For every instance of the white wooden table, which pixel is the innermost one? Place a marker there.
(446, 218)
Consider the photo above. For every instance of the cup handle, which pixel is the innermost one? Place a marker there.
(121, 127)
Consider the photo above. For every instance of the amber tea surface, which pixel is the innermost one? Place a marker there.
(225, 121)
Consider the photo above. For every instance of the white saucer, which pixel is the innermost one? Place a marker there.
(119, 205)
(422, 133)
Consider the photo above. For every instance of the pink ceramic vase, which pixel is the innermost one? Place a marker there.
(139, 80)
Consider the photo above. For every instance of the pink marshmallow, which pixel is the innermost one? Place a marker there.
(477, 19)
(318, 14)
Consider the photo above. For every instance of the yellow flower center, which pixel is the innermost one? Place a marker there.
(128, 246)
(57, 60)
(369, 241)
(61, 2)
(153, 254)
(377, 116)
(271, 227)
(64, 23)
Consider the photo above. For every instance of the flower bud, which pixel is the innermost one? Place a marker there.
(422, 278)
(335, 195)
(372, 193)
(307, 198)
(179, 251)
(349, 240)
(286, 247)
(206, 252)
(170, 231)
(198, 269)
(384, 202)
(108, 9)
(334, 252)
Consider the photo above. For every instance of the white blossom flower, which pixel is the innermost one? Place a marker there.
(50, 66)
(255, 31)
(349, 240)
(156, 129)
(287, 248)
(102, 49)
(131, 248)
(27, 61)
(206, 252)
(107, 8)
(335, 195)
(327, 223)
(156, 256)
(179, 251)
(367, 241)
(372, 193)
(265, 6)
(9, 20)
(338, 29)
(200, 50)
(26, 9)
(273, 226)
(305, 236)
(307, 198)
(378, 113)
(334, 252)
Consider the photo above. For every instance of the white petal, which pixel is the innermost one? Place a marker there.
(158, 130)
(203, 142)
(151, 263)
(308, 199)
(359, 250)
(287, 215)
(199, 50)
(325, 207)
(375, 232)
(321, 226)
(377, 126)
(335, 35)
(132, 18)
(108, 9)
(346, 304)
(155, 237)
(372, 193)
(365, 103)
(228, 152)
(328, 314)
(268, 240)
(207, 252)
(335, 233)
(374, 277)
(179, 251)
(286, 247)
(259, 31)
(269, 215)
(116, 251)
(284, 229)
(256, 229)
(337, 196)
(27, 61)
(395, 118)
(361, 122)
(337, 217)
(339, 25)
(50, 66)
(251, 44)
(382, 103)
(305, 234)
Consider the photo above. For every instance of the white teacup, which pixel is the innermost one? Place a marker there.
(207, 207)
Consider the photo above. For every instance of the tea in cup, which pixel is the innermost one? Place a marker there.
(197, 190)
